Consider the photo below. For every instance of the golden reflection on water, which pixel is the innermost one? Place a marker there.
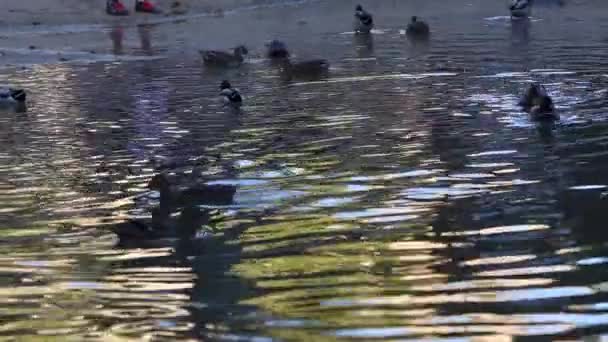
(403, 198)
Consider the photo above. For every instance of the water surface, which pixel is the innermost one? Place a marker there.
(404, 198)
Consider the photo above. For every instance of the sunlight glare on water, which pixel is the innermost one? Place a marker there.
(405, 197)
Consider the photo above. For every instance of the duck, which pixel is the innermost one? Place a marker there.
(309, 69)
(229, 95)
(224, 59)
(520, 8)
(544, 110)
(538, 103)
(12, 98)
(201, 194)
(417, 28)
(178, 8)
(276, 49)
(364, 22)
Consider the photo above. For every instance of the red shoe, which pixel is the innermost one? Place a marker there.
(115, 7)
(146, 6)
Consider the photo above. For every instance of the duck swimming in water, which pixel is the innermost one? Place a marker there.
(364, 22)
(224, 59)
(199, 193)
(11, 98)
(538, 103)
(310, 69)
(520, 8)
(276, 49)
(230, 95)
(417, 28)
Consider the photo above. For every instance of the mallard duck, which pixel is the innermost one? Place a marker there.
(417, 28)
(544, 109)
(225, 59)
(538, 103)
(277, 49)
(364, 22)
(533, 93)
(520, 8)
(230, 95)
(11, 98)
(310, 69)
(201, 194)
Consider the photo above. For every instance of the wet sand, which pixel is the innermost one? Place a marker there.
(73, 12)
(36, 32)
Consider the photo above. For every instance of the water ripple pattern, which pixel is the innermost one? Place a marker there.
(405, 197)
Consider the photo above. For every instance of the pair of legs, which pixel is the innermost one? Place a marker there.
(116, 7)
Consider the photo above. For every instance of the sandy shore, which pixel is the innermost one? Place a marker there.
(71, 12)
(55, 31)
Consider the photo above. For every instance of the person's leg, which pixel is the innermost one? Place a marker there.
(116, 7)
(145, 6)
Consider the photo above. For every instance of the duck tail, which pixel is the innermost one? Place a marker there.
(18, 94)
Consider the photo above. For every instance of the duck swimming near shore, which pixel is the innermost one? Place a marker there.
(364, 22)
(417, 28)
(309, 69)
(12, 98)
(520, 8)
(538, 103)
(230, 95)
(276, 49)
(223, 58)
(197, 193)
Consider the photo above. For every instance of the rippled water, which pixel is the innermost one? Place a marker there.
(404, 198)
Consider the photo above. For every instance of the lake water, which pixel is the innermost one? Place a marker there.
(404, 198)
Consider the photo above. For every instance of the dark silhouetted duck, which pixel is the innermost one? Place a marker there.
(199, 194)
(364, 22)
(230, 95)
(11, 98)
(309, 69)
(417, 28)
(520, 8)
(538, 103)
(276, 49)
(224, 59)
(178, 8)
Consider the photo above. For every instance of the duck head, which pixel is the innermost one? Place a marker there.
(359, 8)
(277, 49)
(544, 104)
(241, 50)
(414, 19)
(533, 95)
(18, 94)
(225, 85)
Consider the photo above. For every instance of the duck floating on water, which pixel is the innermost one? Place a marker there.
(276, 49)
(364, 22)
(520, 8)
(12, 98)
(225, 59)
(309, 69)
(230, 95)
(199, 193)
(538, 103)
(417, 28)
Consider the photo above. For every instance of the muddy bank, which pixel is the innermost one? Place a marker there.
(73, 12)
